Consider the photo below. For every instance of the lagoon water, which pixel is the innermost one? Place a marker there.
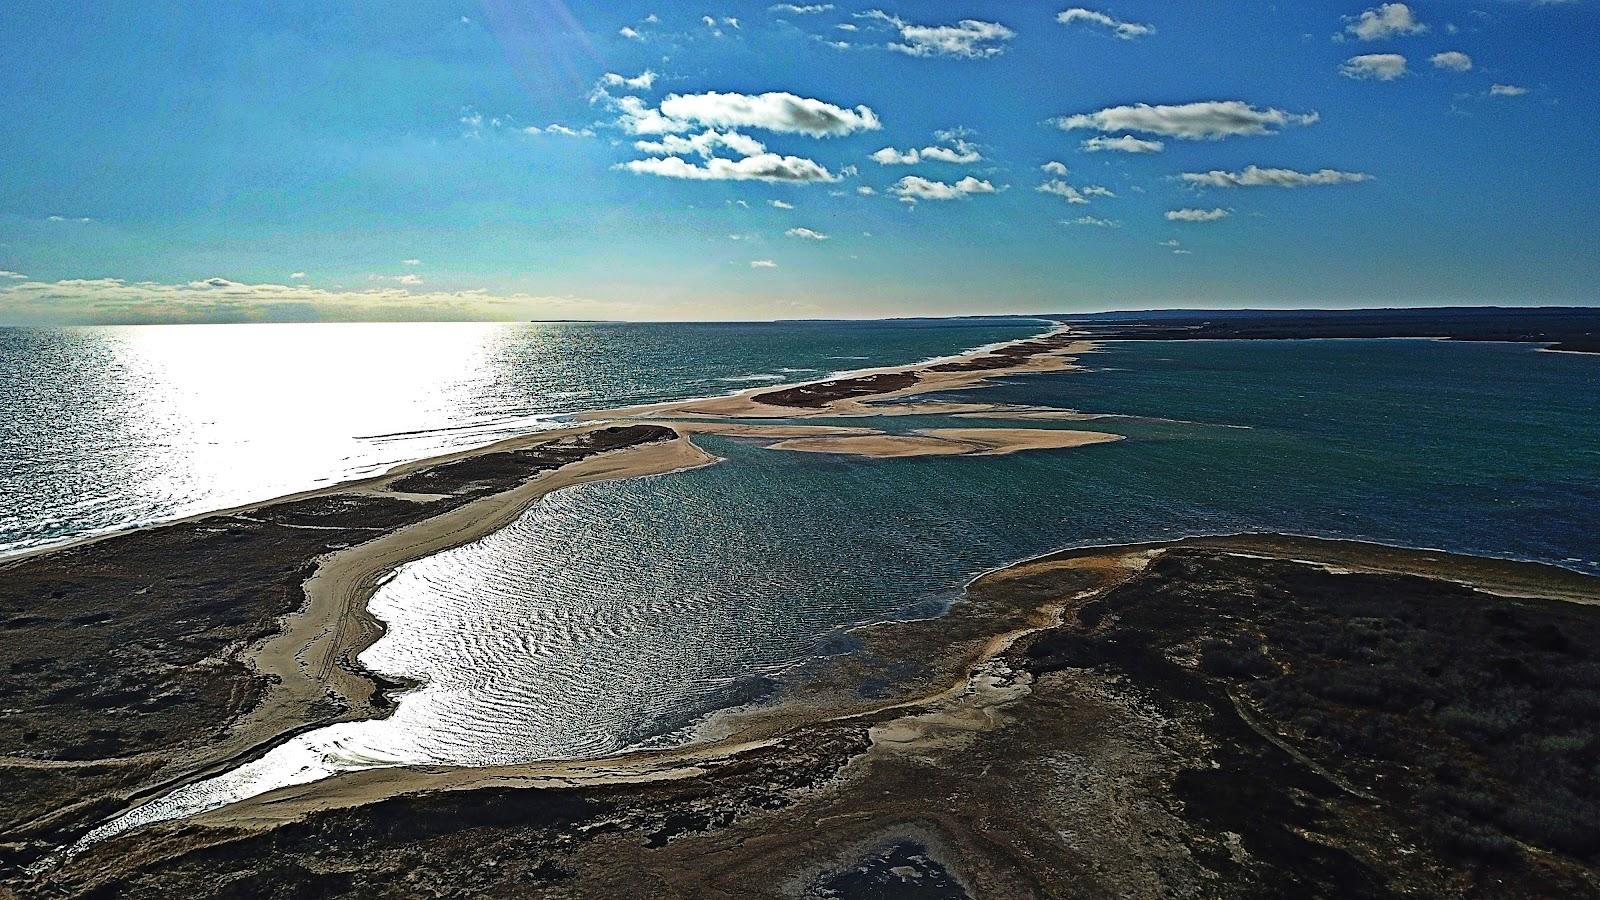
(614, 613)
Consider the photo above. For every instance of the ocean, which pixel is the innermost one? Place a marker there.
(103, 428)
(613, 614)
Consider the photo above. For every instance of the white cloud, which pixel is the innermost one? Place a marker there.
(1207, 119)
(643, 81)
(112, 300)
(5, 273)
(1094, 222)
(1125, 144)
(1125, 30)
(1055, 168)
(761, 167)
(782, 204)
(1374, 66)
(799, 10)
(1063, 190)
(409, 279)
(1095, 190)
(1196, 215)
(1385, 21)
(763, 264)
(78, 219)
(562, 130)
(889, 156)
(967, 39)
(628, 32)
(1171, 242)
(297, 276)
(912, 188)
(1256, 176)
(1506, 90)
(703, 144)
(410, 262)
(953, 147)
(865, 191)
(806, 233)
(774, 111)
(1454, 60)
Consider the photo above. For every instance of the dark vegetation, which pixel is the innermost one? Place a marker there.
(816, 396)
(1564, 328)
(129, 644)
(1467, 722)
(820, 394)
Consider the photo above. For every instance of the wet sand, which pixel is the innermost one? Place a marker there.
(293, 584)
(1066, 738)
(948, 442)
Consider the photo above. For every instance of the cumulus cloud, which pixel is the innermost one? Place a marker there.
(1125, 30)
(559, 129)
(912, 188)
(1374, 66)
(774, 111)
(1506, 90)
(781, 204)
(866, 191)
(1196, 215)
(643, 81)
(763, 264)
(1204, 120)
(1063, 190)
(297, 276)
(806, 233)
(1125, 144)
(1094, 222)
(628, 32)
(1454, 60)
(967, 39)
(889, 156)
(703, 144)
(6, 273)
(1385, 21)
(115, 301)
(953, 147)
(1256, 176)
(1054, 168)
(768, 167)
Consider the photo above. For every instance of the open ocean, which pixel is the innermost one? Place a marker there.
(612, 614)
(110, 427)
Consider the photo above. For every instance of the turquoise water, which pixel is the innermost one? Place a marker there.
(105, 428)
(614, 613)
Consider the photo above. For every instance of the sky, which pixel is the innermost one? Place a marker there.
(725, 160)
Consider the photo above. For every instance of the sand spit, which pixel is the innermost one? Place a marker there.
(1094, 722)
(948, 442)
(302, 568)
(871, 392)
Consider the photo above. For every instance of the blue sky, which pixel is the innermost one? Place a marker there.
(176, 162)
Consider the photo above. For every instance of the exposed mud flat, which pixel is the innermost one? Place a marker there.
(1215, 717)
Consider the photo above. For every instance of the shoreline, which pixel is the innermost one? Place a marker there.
(982, 652)
(578, 422)
(310, 655)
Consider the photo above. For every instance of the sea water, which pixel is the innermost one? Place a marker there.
(612, 613)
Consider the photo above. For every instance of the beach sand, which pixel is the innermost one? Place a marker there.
(948, 442)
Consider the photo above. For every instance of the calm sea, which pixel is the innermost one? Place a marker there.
(613, 613)
(104, 428)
